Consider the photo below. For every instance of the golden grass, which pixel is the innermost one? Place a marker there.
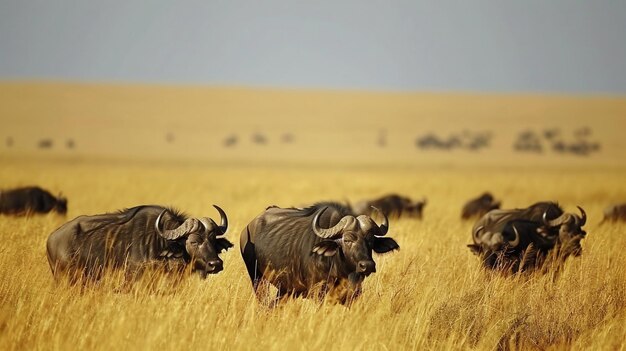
(431, 294)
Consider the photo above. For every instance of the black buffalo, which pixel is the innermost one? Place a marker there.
(522, 239)
(615, 213)
(479, 206)
(322, 250)
(392, 205)
(136, 238)
(31, 200)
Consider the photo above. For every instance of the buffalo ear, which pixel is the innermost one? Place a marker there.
(382, 245)
(476, 249)
(326, 248)
(222, 244)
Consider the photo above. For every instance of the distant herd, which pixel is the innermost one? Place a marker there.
(527, 141)
(322, 250)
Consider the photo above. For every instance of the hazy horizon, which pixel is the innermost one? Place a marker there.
(486, 46)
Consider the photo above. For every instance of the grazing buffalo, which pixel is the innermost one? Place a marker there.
(322, 250)
(392, 205)
(136, 238)
(521, 239)
(615, 213)
(479, 206)
(30, 200)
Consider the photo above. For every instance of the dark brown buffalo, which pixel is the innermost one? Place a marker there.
(479, 206)
(522, 239)
(135, 238)
(30, 200)
(322, 250)
(615, 213)
(392, 205)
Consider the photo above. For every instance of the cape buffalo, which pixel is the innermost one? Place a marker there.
(322, 250)
(30, 200)
(521, 239)
(615, 213)
(136, 238)
(392, 205)
(479, 206)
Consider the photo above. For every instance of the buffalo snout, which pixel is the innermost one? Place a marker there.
(214, 266)
(366, 267)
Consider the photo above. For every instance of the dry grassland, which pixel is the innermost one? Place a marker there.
(431, 294)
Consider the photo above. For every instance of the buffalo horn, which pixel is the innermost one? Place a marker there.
(384, 227)
(583, 216)
(478, 230)
(190, 225)
(223, 220)
(330, 232)
(515, 242)
(555, 222)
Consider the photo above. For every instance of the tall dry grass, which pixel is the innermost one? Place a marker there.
(432, 294)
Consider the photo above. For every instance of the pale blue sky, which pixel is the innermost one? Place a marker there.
(484, 45)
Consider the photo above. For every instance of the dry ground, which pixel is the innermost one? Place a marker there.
(431, 294)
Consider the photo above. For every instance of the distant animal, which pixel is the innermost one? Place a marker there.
(382, 138)
(431, 141)
(319, 251)
(528, 141)
(615, 213)
(9, 141)
(230, 141)
(45, 144)
(259, 138)
(559, 146)
(31, 200)
(582, 132)
(392, 205)
(287, 138)
(70, 143)
(552, 133)
(521, 239)
(137, 238)
(479, 206)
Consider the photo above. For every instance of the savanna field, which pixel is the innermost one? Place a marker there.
(431, 294)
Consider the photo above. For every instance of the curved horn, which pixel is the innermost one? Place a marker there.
(583, 216)
(478, 230)
(224, 219)
(515, 242)
(384, 227)
(157, 223)
(555, 222)
(190, 225)
(545, 219)
(330, 232)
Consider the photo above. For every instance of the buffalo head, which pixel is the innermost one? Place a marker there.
(202, 241)
(354, 238)
(61, 205)
(568, 229)
(416, 209)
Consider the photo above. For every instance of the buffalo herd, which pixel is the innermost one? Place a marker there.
(324, 250)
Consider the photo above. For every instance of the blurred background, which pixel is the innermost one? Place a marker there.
(351, 83)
